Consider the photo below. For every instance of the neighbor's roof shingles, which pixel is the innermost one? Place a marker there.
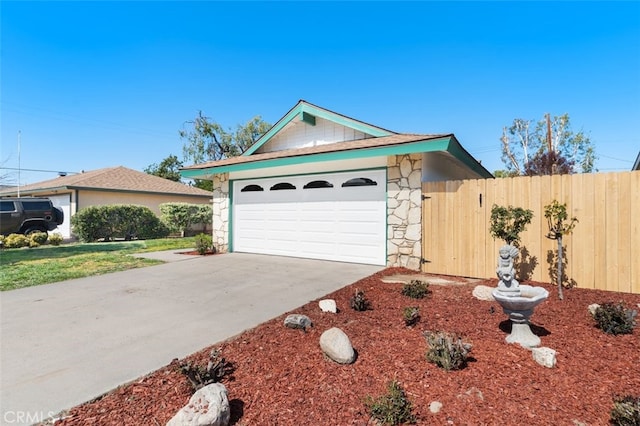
(114, 179)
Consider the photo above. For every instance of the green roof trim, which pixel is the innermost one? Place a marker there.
(456, 149)
(303, 110)
(448, 144)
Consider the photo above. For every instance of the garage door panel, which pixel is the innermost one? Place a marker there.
(344, 224)
(286, 236)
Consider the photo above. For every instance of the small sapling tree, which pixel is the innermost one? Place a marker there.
(507, 223)
(559, 225)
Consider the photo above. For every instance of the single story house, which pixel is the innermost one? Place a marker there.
(322, 185)
(113, 185)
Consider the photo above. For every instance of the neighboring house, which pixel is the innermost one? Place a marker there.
(636, 165)
(323, 185)
(114, 185)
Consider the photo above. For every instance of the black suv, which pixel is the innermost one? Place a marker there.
(27, 215)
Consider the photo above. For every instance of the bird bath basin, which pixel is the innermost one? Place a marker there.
(519, 306)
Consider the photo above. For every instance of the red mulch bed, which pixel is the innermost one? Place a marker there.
(282, 378)
(197, 253)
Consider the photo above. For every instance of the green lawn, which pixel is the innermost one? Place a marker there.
(34, 266)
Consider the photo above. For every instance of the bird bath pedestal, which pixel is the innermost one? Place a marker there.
(519, 305)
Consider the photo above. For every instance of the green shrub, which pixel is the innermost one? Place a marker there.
(447, 350)
(2, 237)
(204, 243)
(55, 239)
(416, 289)
(358, 302)
(39, 238)
(180, 216)
(16, 241)
(117, 221)
(393, 408)
(199, 376)
(614, 318)
(625, 411)
(411, 315)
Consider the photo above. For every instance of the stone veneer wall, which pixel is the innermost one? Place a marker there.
(404, 211)
(220, 222)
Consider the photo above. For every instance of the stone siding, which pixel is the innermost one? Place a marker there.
(404, 211)
(220, 222)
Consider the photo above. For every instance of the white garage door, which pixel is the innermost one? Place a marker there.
(63, 202)
(338, 216)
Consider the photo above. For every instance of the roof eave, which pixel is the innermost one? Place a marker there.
(93, 188)
(456, 149)
(446, 144)
(29, 190)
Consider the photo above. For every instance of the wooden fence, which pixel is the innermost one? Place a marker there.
(603, 252)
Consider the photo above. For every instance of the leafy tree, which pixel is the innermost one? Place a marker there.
(209, 141)
(504, 174)
(522, 143)
(248, 134)
(169, 168)
(548, 163)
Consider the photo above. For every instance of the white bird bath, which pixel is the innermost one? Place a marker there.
(519, 305)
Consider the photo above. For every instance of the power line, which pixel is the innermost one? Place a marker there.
(614, 158)
(38, 170)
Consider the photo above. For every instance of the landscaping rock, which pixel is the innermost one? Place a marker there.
(483, 292)
(298, 321)
(593, 308)
(435, 407)
(336, 345)
(209, 406)
(544, 356)
(472, 393)
(328, 305)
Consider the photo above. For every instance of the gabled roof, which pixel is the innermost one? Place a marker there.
(636, 165)
(374, 147)
(308, 112)
(112, 179)
(382, 142)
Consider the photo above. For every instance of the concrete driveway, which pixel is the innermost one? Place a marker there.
(65, 343)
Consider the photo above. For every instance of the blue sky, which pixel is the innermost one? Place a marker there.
(100, 84)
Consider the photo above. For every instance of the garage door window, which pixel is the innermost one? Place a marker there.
(318, 184)
(281, 186)
(252, 188)
(359, 182)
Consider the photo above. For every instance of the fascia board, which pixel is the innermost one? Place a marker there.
(440, 144)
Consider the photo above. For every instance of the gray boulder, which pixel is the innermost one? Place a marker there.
(336, 345)
(209, 406)
(298, 321)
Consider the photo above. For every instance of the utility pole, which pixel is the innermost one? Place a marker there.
(19, 137)
(554, 166)
(549, 143)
